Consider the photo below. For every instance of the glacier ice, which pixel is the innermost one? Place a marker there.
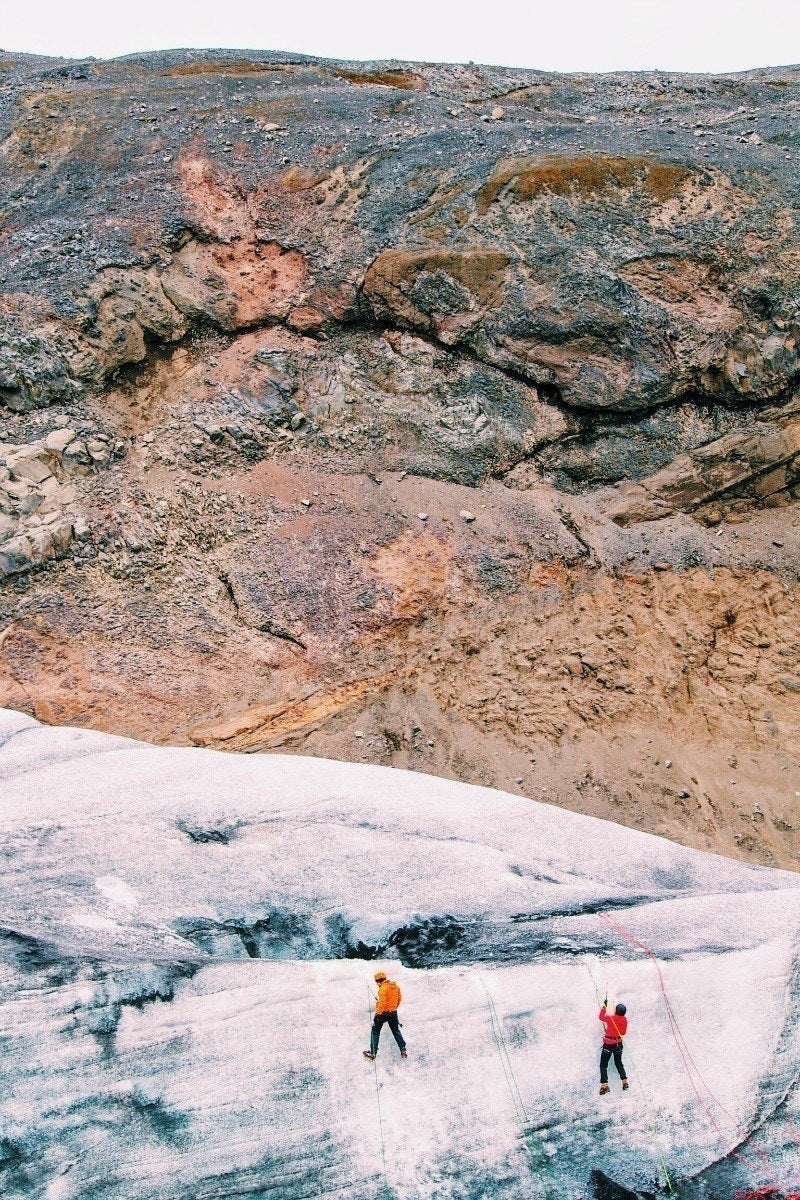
(188, 942)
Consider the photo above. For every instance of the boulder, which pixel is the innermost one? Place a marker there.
(16, 555)
(8, 527)
(764, 458)
(58, 440)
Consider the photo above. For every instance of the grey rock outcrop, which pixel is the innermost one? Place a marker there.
(596, 244)
(36, 499)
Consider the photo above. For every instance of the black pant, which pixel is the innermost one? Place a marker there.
(605, 1055)
(378, 1021)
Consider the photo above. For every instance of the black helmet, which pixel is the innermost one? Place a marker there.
(620, 1010)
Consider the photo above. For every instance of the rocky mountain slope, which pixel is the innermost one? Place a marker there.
(443, 417)
(186, 957)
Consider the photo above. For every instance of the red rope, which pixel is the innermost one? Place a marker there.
(766, 1193)
(683, 1050)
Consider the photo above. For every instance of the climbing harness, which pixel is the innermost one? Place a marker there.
(645, 1097)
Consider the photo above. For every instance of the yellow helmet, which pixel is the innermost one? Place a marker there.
(380, 976)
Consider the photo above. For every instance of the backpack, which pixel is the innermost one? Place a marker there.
(391, 995)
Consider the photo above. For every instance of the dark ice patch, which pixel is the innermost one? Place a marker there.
(429, 942)
(606, 1188)
(168, 1124)
(203, 832)
(276, 934)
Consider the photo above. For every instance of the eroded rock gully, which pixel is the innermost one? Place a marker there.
(342, 414)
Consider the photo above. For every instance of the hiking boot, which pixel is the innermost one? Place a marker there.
(368, 1054)
(625, 1085)
(404, 1054)
(604, 1088)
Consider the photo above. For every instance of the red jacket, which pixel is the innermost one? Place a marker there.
(616, 1027)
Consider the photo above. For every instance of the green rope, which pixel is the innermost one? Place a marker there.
(526, 1125)
(378, 1098)
(505, 1063)
(645, 1097)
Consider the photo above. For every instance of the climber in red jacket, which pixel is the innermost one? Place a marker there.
(616, 1026)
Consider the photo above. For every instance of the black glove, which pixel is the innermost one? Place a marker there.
(605, 1002)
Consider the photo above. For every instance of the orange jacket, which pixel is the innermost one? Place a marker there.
(388, 997)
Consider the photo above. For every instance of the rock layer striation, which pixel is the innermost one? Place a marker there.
(270, 326)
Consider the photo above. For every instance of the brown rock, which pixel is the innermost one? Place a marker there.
(391, 77)
(772, 481)
(235, 285)
(527, 178)
(306, 319)
(710, 471)
(122, 306)
(391, 280)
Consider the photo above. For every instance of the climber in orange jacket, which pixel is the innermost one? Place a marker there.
(386, 1007)
(616, 1026)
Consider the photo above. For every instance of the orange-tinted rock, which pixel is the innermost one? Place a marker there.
(582, 175)
(216, 200)
(757, 464)
(479, 273)
(408, 81)
(237, 285)
(685, 287)
(298, 179)
(306, 319)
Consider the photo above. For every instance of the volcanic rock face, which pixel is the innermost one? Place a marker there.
(185, 992)
(269, 325)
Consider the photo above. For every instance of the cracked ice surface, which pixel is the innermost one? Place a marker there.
(184, 992)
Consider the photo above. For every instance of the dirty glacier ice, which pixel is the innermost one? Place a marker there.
(187, 949)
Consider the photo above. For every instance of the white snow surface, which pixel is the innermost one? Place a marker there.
(187, 944)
